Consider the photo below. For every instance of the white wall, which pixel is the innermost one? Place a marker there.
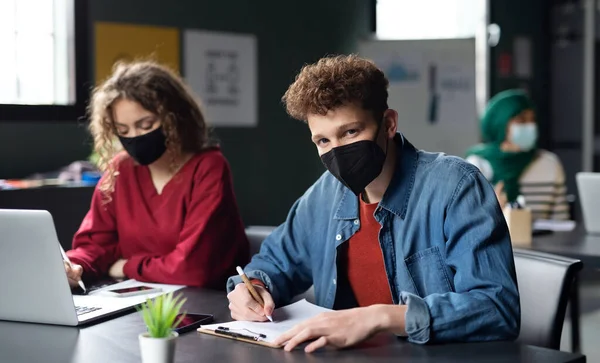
(408, 65)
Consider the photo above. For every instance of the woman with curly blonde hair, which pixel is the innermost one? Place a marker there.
(164, 210)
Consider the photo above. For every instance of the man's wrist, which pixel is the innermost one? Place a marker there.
(389, 318)
(257, 282)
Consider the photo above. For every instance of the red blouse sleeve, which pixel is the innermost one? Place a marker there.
(95, 245)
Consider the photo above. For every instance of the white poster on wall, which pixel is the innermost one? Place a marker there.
(432, 86)
(222, 69)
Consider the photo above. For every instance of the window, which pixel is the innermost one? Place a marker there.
(37, 66)
(440, 19)
(428, 19)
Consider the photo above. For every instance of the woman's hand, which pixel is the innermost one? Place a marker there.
(74, 273)
(500, 194)
(116, 270)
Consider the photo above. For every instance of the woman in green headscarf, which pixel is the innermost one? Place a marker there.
(511, 160)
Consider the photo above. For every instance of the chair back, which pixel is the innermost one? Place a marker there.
(545, 283)
(256, 235)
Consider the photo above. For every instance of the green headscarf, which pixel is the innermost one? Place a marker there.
(507, 166)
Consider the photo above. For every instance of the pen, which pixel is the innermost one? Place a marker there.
(253, 292)
(66, 259)
(229, 333)
(226, 329)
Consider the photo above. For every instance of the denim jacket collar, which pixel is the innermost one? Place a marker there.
(397, 195)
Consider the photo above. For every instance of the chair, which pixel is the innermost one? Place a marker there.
(545, 285)
(256, 235)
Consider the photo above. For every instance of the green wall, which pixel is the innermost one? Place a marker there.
(529, 19)
(28, 147)
(273, 163)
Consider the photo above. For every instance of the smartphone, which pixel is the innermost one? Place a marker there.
(191, 322)
(131, 291)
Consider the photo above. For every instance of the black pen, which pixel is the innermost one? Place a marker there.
(226, 331)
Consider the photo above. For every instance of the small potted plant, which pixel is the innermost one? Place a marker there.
(157, 345)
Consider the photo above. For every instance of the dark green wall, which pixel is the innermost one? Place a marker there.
(531, 19)
(28, 147)
(272, 164)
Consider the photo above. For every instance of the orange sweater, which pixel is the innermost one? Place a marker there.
(366, 269)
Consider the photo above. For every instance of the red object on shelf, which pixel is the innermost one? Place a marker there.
(504, 65)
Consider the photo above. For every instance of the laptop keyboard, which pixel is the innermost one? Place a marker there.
(85, 309)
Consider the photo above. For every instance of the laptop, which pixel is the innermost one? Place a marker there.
(588, 185)
(33, 282)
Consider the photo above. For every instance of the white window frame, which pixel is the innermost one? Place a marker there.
(63, 88)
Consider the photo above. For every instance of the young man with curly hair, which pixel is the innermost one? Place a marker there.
(393, 238)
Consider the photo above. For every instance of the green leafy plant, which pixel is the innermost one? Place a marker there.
(94, 158)
(160, 314)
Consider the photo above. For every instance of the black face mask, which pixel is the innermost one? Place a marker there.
(145, 149)
(355, 165)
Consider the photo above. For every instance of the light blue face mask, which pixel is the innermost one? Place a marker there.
(524, 135)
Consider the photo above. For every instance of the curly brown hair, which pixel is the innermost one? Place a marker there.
(335, 81)
(159, 90)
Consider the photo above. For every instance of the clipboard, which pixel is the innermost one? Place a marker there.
(287, 317)
(246, 340)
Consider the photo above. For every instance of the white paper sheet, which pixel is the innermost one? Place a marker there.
(95, 298)
(556, 226)
(284, 319)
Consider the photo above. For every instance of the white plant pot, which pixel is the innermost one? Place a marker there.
(158, 350)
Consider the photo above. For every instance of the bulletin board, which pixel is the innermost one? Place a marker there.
(222, 68)
(116, 42)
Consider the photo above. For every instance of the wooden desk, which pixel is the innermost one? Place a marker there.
(575, 244)
(116, 340)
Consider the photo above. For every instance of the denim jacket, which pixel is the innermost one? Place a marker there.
(445, 244)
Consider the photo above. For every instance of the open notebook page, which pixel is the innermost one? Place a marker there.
(284, 319)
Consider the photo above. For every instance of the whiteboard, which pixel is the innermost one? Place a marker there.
(432, 86)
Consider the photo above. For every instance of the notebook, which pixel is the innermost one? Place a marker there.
(554, 225)
(265, 333)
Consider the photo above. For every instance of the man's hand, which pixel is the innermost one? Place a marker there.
(116, 270)
(344, 328)
(74, 273)
(243, 306)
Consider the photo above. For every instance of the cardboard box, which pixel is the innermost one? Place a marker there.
(520, 226)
